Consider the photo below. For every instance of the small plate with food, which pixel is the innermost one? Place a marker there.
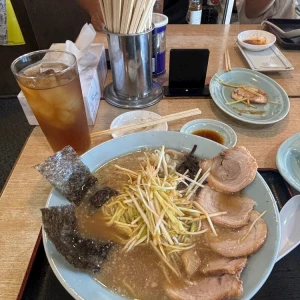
(256, 40)
(288, 161)
(249, 96)
(130, 219)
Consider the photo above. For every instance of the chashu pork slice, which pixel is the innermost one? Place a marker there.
(239, 242)
(223, 265)
(191, 261)
(237, 206)
(231, 171)
(254, 94)
(211, 288)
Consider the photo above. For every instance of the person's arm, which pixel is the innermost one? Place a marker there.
(92, 7)
(255, 8)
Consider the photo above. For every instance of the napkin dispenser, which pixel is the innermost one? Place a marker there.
(92, 69)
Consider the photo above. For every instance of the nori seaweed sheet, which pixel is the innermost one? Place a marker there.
(66, 172)
(102, 196)
(61, 227)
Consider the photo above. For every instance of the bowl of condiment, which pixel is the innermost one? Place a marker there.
(214, 130)
(256, 40)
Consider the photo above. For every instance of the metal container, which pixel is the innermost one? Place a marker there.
(130, 59)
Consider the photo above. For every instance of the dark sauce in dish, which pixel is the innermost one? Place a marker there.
(210, 134)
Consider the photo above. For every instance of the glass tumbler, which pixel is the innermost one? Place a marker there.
(50, 82)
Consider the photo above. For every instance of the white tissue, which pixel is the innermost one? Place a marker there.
(83, 42)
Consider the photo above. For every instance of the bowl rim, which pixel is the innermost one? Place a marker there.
(250, 46)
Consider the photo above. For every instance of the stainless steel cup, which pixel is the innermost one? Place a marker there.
(131, 65)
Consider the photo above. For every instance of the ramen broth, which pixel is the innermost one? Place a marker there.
(140, 273)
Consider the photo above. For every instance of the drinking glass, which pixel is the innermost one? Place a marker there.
(50, 82)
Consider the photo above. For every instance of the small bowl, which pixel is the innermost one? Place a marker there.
(288, 161)
(134, 117)
(252, 34)
(225, 131)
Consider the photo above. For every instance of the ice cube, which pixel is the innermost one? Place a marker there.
(48, 72)
(43, 82)
(65, 118)
(53, 66)
(46, 112)
(66, 77)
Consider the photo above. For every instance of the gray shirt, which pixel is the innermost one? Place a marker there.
(281, 9)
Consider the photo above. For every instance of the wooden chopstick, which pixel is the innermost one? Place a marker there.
(227, 61)
(117, 8)
(127, 16)
(168, 118)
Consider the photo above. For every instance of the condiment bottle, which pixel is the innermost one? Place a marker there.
(210, 11)
(194, 13)
(158, 6)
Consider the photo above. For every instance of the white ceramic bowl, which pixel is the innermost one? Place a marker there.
(252, 34)
(83, 286)
(134, 117)
(221, 128)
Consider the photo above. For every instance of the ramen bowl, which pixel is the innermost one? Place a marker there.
(84, 286)
(256, 40)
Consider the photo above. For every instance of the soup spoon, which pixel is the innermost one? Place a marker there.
(290, 226)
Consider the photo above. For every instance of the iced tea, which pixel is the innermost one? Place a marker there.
(54, 94)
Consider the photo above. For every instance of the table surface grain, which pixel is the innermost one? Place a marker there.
(26, 191)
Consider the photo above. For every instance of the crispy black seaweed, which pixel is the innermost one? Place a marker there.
(102, 195)
(66, 172)
(61, 227)
(190, 162)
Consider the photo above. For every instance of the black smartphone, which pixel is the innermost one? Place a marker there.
(188, 68)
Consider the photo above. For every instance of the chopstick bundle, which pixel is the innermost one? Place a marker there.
(168, 118)
(127, 16)
(227, 61)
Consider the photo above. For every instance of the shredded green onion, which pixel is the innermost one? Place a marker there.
(150, 209)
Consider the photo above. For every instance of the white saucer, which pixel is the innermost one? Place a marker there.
(134, 117)
(223, 129)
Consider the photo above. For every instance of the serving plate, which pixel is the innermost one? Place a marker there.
(272, 112)
(288, 161)
(83, 286)
(268, 60)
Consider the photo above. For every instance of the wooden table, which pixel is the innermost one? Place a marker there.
(26, 191)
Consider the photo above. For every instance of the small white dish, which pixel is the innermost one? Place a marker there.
(288, 161)
(134, 117)
(225, 131)
(268, 60)
(265, 36)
